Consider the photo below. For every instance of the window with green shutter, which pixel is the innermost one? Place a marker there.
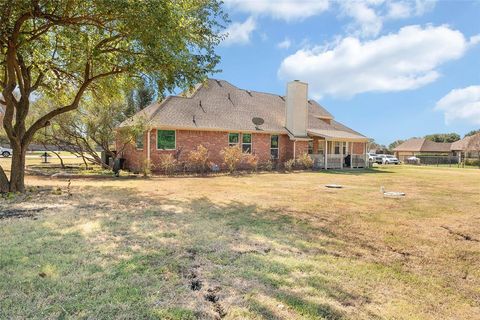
(166, 139)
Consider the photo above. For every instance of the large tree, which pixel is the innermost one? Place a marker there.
(49, 47)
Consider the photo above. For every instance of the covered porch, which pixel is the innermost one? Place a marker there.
(337, 149)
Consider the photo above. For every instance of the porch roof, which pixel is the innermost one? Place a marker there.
(337, 135)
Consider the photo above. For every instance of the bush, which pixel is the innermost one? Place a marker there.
(289, 164)
(305, 161)
(146, 168)
(232, 156)
(269, 165)
(168, 163)
(198, 159)
(472, 162)
(251, 161)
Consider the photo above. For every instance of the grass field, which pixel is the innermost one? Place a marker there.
(266, 246)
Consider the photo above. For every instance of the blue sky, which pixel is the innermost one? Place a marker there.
(391, 69)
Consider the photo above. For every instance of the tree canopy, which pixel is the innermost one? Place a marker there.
(443, 137)
(61, 48)
(471, 133)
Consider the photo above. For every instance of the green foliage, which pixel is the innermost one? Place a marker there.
(139, 98)
(443, 137)
(471, 133)
(395, 144)
(59, 50)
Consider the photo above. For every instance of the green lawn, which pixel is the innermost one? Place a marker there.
(266, 246)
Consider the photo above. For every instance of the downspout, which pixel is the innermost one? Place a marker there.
(294, 149)
(148, 145)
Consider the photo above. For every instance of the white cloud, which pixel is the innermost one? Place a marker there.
(370, 15)
(400, 61)
(280, 9)
(285, 44)
(239, 33)
(461, 104)
(366, 20)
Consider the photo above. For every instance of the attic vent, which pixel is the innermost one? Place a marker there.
(219, 83)
(282, 98)
(249, 93)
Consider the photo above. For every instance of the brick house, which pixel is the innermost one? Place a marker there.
(217, 114)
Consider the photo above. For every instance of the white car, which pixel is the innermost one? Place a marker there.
(386, 159)
(371, 157)
(6, 152)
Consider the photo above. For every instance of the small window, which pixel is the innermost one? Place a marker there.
(233, 139)
(139, 141)
(345, 147)
(337, 147)
(310, 147)
(247, 142)
(166, 139)
(274, 146)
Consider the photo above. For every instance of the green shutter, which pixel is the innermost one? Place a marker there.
(166, 139)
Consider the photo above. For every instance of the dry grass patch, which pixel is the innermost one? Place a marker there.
(264, 246)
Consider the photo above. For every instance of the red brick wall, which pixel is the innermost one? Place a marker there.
(301, 147)
(358, 147)
(214, 141)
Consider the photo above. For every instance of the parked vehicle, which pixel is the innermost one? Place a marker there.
(371, 157)
(386, 159)
(6, 152)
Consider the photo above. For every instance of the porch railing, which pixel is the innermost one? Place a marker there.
(337, 161)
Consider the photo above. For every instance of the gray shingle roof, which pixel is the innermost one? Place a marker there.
(423, 145)
(218, 105)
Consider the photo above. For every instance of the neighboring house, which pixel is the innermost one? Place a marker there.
(273, 127)
(421, 146)
(460, 148)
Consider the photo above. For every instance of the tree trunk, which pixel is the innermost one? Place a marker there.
(17, 174)
(4, 184)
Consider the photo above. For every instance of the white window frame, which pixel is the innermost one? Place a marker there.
(277, 148)
(228, 139)
(251, 142)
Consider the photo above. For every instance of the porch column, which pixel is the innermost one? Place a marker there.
(326, 153)
(148, 145)
(341, 155)
(351, 155)
(365, 156)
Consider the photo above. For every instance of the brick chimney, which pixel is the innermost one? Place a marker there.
(296, 107)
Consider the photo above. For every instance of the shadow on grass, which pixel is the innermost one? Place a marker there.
(142, 259)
